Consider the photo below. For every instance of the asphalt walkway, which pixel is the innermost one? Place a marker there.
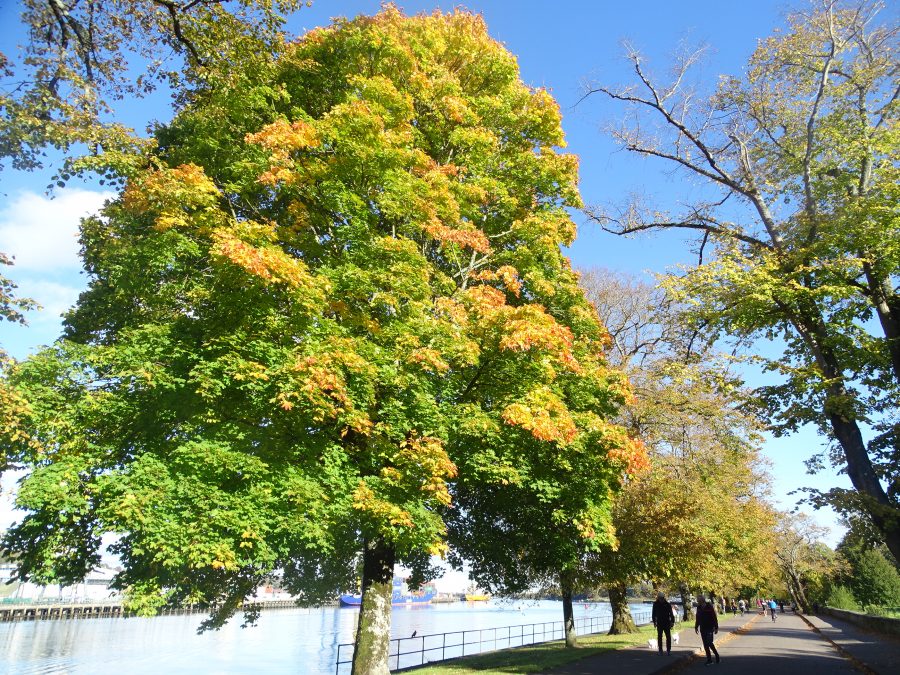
(786, 646)
(792, 645)
(643, 660)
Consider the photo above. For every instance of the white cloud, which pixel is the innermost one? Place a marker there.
(54, 298)
(42, 233)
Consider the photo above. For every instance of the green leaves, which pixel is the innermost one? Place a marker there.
(331, 308)
(799, 229)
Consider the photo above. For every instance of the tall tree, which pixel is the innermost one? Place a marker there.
(798, 226)
(80, 57)
(698, 519)
(336, 274)
(523, 518)
(802, 557)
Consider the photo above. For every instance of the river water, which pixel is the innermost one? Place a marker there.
(302, 641)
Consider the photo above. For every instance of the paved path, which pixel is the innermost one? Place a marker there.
(792, 645)
(641, 660)
(788, 646)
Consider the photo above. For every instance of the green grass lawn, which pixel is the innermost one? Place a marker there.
(536, 658)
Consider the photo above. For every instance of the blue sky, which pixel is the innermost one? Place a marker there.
(560, 45)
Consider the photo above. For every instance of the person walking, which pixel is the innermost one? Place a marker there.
(663, 619)
(707, 625)
(742, 606)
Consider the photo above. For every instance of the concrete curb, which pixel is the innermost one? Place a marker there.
(855, 662)
(686, 661)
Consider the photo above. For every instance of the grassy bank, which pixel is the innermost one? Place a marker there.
(536, 658)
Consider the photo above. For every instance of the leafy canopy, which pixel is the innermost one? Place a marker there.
(333, 290)
(798, 227)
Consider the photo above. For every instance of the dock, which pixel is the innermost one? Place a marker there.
(109, 609)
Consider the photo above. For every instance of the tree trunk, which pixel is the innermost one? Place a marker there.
(883, 512)
(795, 599)
(373, 632)
(796, 587)
(565, 583)
(687, 610)
(840, 413)
(886, 307)
(621, 615)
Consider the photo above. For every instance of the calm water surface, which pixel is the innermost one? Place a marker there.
(302, 641)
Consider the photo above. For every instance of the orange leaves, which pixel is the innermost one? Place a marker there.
(530, 327)
(506, 274)
(629, 452)
(451, 310)
(633, 454)
(467, 238)
(455, 109)
(509, 276)
(319, 383)
(179, 197)
(520, 329)
(484, 299)
(545, 415)
(429, 359)
(281, 138)
(268, 263)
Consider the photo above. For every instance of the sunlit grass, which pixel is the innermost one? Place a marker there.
(537, 658)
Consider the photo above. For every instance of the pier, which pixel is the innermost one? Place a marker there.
(109, 609)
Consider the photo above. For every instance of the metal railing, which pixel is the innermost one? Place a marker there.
(410, 652)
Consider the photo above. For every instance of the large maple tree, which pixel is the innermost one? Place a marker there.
(334, 288)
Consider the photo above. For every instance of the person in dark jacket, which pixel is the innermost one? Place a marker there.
(707, 624)
(663, 619)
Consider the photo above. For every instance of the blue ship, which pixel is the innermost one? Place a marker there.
(400, 595)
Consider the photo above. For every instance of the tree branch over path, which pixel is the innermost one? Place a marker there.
(807, 139)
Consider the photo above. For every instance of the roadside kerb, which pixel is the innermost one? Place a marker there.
(859, 665)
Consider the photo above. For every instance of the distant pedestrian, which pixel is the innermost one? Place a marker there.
(781, 606)
(772, 608)
(742, 606)
(663, 619)
(707, 625)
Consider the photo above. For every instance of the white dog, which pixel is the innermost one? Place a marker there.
(653, 644)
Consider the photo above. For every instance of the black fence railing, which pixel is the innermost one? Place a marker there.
(417, 651)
